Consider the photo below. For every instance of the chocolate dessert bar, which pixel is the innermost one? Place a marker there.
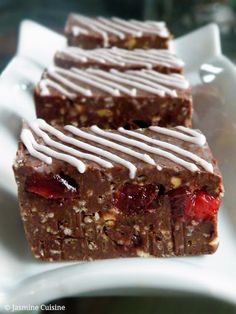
(99, 32)
(160, 60)
(112, 99)
(90, 193)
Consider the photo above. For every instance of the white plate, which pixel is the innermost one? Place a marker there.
(23, 279)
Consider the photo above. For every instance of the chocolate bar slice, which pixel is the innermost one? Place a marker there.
(112, 99)
(89, 193)
(100, 32)
(160, 60)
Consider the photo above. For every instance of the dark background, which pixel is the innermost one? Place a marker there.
(162, 304)
(182, 16)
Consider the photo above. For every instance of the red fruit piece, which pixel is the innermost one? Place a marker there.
(133, 198)
(198, 205)
(51, 186)
(202, 205)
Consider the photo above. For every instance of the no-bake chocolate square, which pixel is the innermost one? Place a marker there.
(89, 193)
(161, 60)
(112, 99)
(100, 32)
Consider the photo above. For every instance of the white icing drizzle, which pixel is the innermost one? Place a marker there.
(96, 150)
(113, 82)
(157, 23)
(40, 125)
(71, 81)
(144, 84)
(107, 55)
(198, 138)
(55, 74)
(117, 87)
(190, 166)
(144, 27)
(91, 148)
(76, 30)
(43, 85)
(135, 58)
(124, 29)
(175, 80)
(110, 56)
(84, 77)
(96, 27)
(42, 152)
(158, 28)
(174, 148)
(75, 51)
(124, 57)
(73, 54)
(45, 151)
(94, 138)
(167, 57)
(118, 27)
(103, 24)
(124, 78)
(30, 143)
(194, 137)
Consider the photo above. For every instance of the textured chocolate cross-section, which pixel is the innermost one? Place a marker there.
(100, 32)
(90, 193)
(113, 99)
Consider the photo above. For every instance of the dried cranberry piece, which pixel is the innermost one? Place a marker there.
(198, 205)
(51, 186)
(133, 198)
(202, 205)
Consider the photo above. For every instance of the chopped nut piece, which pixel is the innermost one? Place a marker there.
(108, 216)
(92, 246)
(141, 253)
(214, 242)
(96, 216)
(88, 219)
(79, 108)
(176, 182)
(67, 231)
(90, 193)
(110, 223)
(104, 113)
(130, 43)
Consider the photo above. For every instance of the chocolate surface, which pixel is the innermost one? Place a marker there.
(86, 213)
(112, 99)
(90, 33)
(160, 60)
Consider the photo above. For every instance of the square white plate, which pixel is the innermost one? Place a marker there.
(23, 279)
